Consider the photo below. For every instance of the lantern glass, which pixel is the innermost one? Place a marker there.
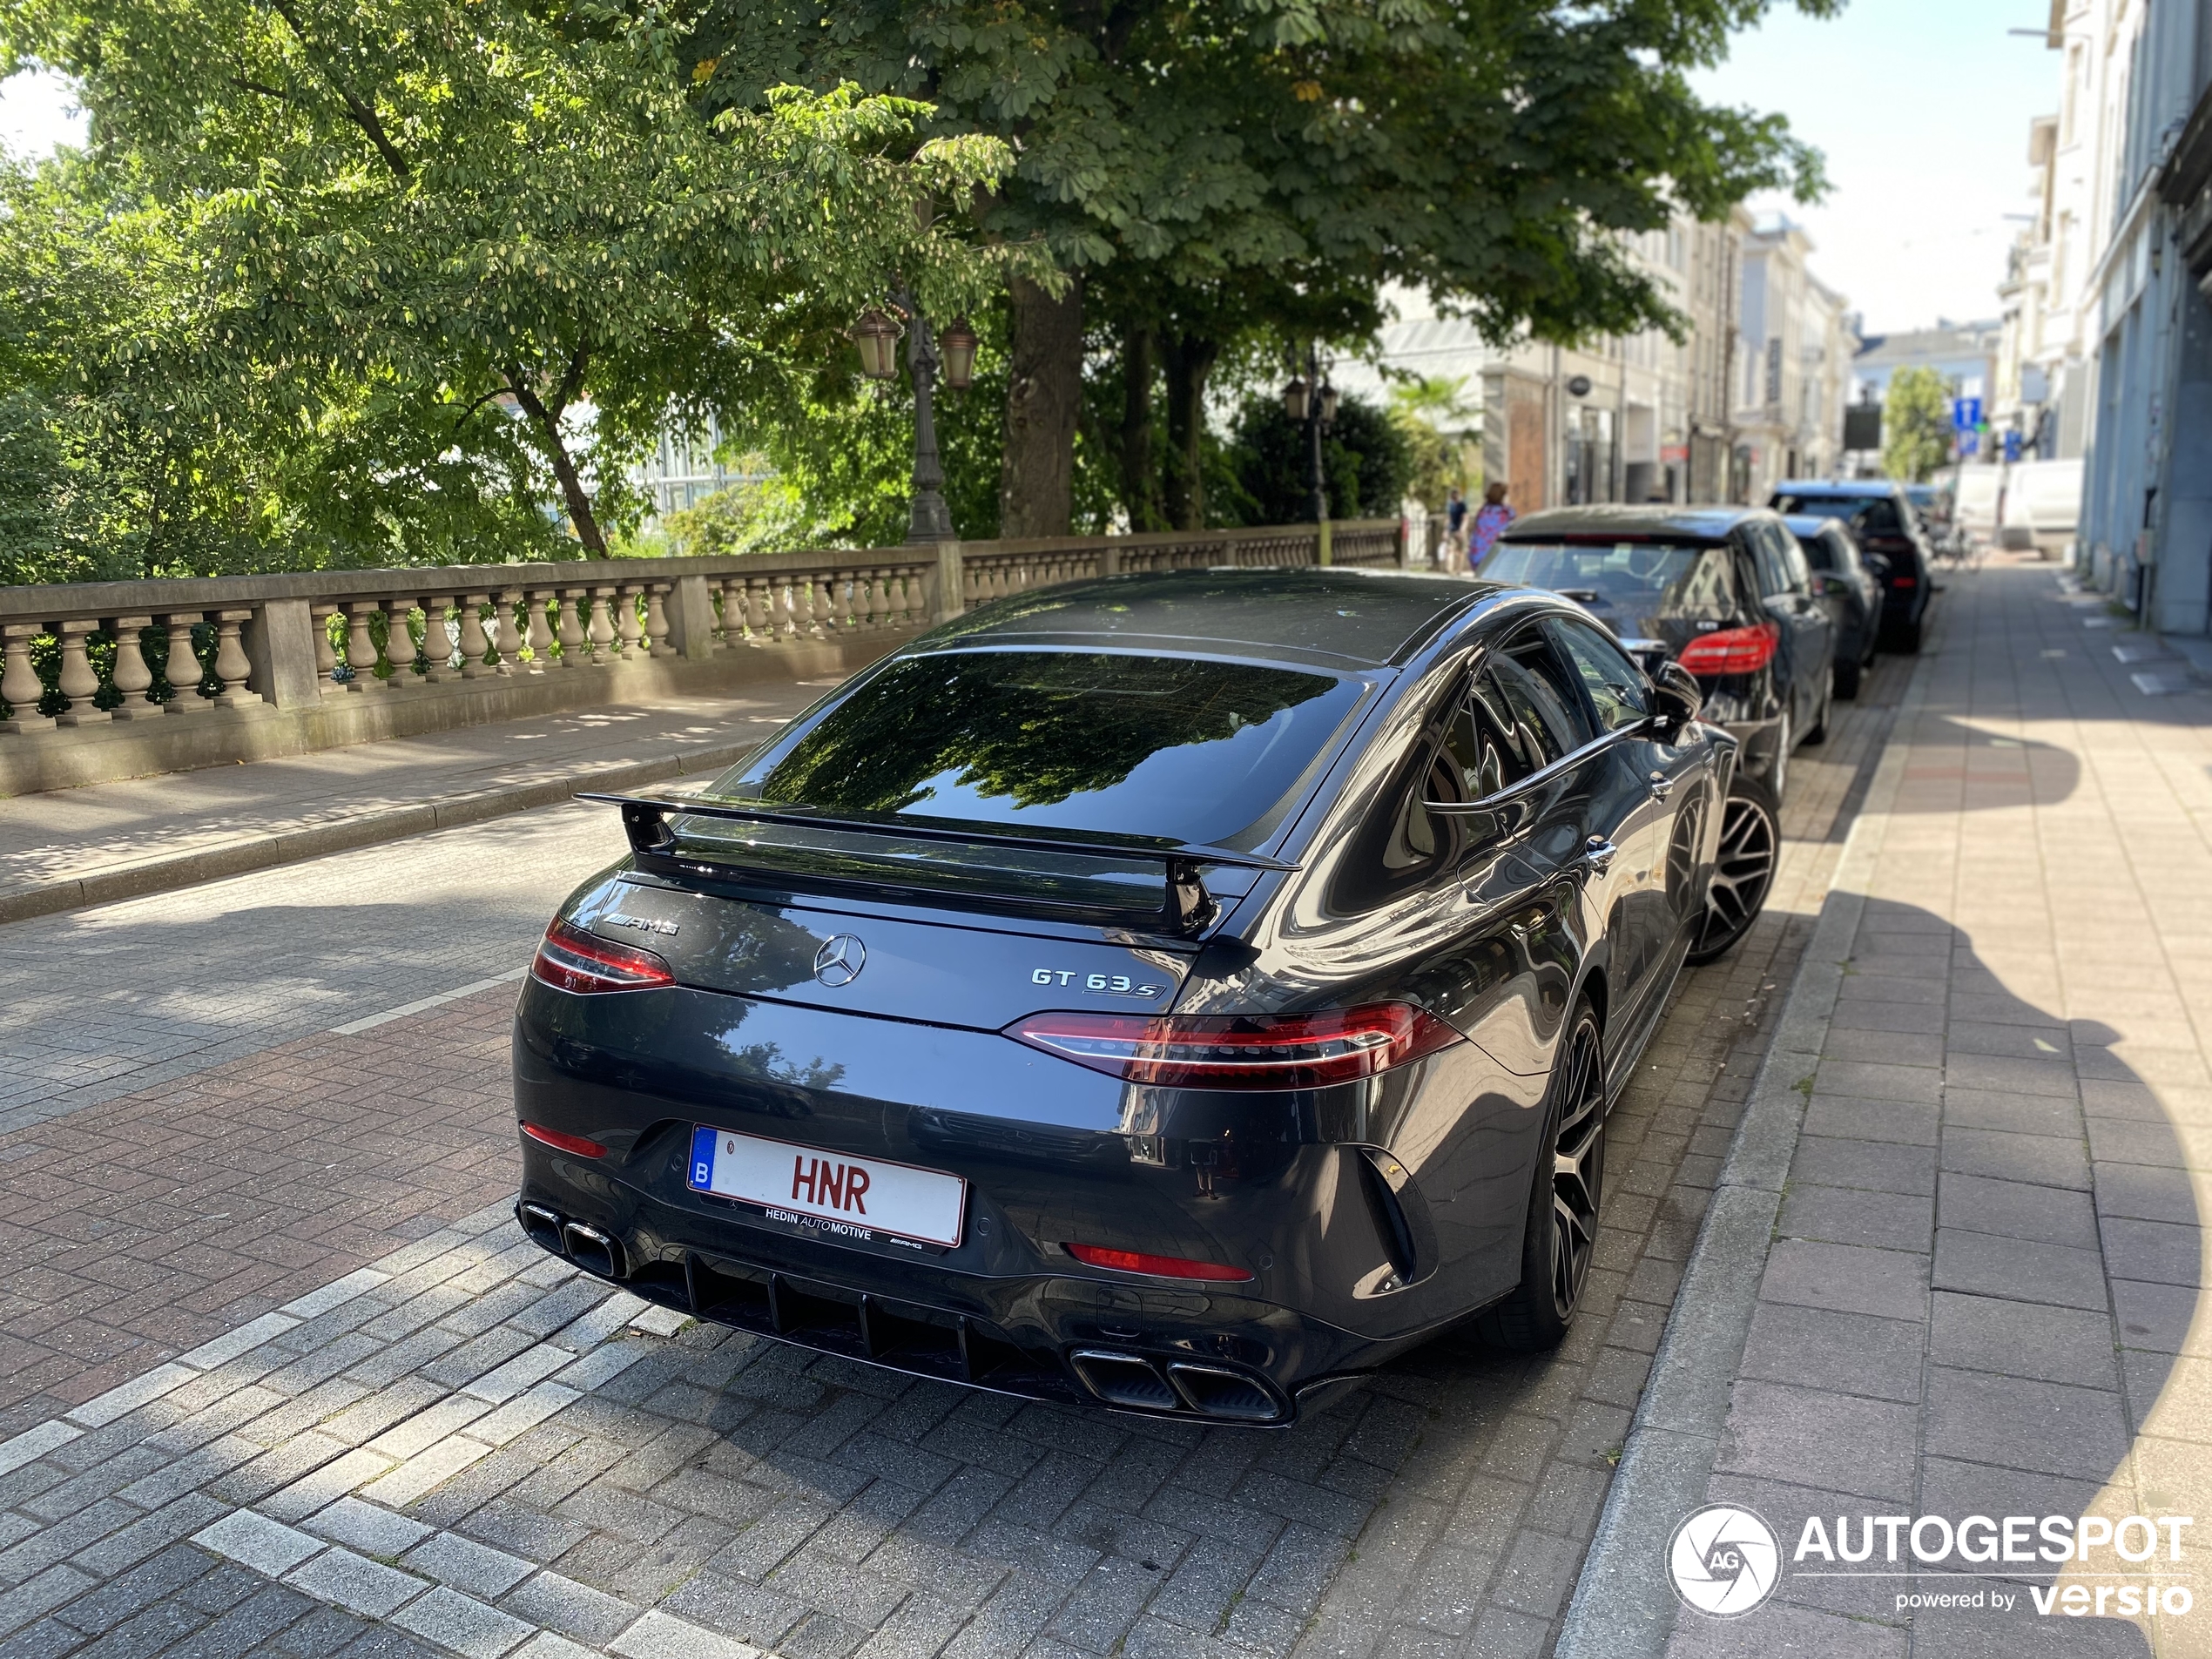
(1294, 400)
(1328, 403)
(877, 336)
(957, 346)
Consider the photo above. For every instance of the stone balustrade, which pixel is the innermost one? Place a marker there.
(102, 680)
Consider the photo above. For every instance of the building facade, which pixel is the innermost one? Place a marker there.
(2137, 101)
(1646, 417)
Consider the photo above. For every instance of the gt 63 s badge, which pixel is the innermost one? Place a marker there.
(1107, 984)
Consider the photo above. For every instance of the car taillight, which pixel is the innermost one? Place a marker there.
(561, 1143)
(1905, 582)
(569, 959)
(1135, 1261)
(1732, 650)
(1241, 1050)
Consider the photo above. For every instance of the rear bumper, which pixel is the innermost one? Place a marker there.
(1193, 1354)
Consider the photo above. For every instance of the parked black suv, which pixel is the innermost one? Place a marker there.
(1882, 519)
(1723, 590)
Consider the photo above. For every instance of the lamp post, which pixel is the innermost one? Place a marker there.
(1312, 403)
(877, 336)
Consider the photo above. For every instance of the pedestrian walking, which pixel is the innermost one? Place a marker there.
(1455, 521)
(1489, 524)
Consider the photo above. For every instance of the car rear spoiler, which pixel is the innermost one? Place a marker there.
(1187, 907)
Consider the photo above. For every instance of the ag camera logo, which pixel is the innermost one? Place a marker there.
(1724, 1561)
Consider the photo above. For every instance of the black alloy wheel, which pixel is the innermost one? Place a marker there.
(1560, 1235)
(1744, 869)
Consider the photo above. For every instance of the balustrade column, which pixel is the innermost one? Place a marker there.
(399, 644)
(474, 646)
(735, 614)
(631, 635)
(437, 643)
(19, 681)
(326, 660)
(601, 632)
(506, 635)
(181, 667)
(78, 682)
(571, 629)
(231, 665)
(656, 620)
(541, 632)
(132, 677)
(360, 646)
(759, 612)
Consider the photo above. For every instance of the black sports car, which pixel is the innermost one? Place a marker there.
(1173, 993)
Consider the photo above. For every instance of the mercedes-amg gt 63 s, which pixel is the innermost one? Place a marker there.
(1176, 994)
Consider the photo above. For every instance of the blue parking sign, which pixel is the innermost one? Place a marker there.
(1966, 414)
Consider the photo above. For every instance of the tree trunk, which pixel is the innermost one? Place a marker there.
(1189, 360)
(1140, 485)
(573, 493)
(1044, 390)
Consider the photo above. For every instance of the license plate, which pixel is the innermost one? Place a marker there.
(800, 1183)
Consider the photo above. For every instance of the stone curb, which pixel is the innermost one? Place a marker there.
(167, 871)
(1623, 1605)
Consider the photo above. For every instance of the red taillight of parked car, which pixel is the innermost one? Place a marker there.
(1905, 582)
(571, 1143)
(569, 959)
(1242, 1051)
(1135, 1261)
(1732, 650)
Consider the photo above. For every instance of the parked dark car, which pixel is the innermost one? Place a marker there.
(1882, 520)
(1725, 591)
(1174, 993)
(1849, 588)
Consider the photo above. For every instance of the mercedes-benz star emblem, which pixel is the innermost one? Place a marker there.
(839, 960)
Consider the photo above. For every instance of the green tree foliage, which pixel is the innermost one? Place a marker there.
(467, 256)
(1442, 448)
(1916, 425)
(1364, 458)
(1211, 168)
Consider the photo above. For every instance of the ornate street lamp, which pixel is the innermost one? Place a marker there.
(959, 344)
(1311, 402)
(1294, 400)
(1328, 404)
(877, 336)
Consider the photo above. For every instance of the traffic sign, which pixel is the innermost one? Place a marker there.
(1966, 414)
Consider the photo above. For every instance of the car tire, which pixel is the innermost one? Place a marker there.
(1743, 870)
(1818, 734)
(1906, 636)
(1559, 1239)
(1846, 680)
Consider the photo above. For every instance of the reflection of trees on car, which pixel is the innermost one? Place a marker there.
(1035, 730)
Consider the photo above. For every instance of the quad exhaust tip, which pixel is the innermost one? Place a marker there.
(1133, 1381)
(589, 1248)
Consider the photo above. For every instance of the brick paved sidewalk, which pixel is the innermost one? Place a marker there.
(1981, 1292)
(107, 841)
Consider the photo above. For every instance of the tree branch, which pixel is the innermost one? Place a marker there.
(363, 116)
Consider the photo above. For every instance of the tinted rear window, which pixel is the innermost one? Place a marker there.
(1625, 579)
(1875, 514)
(1192, 749)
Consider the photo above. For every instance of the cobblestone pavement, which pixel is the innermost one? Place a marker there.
(283, 1379)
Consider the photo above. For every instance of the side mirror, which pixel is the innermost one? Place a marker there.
(1676, 697)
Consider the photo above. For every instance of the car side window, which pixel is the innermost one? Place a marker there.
(1793, 556)
(1820, 551)
(1772, 579)
(1618, 693)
